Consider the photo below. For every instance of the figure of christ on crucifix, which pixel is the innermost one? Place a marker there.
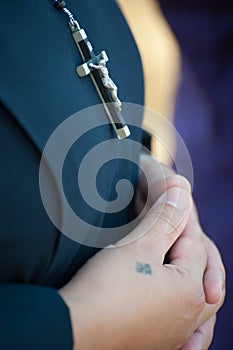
(107, 81)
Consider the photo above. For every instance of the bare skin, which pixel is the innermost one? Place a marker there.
(127, 298)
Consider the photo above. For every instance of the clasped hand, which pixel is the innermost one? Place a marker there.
(162, 290)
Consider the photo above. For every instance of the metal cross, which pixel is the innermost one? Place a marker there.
(95, 66)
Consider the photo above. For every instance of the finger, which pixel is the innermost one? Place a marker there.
(214, 277)
(189, 251)
(147, 196)
(202, 337)
(140, 204)
(155, 179)
(151, 172)
(164, 222)
(209, 310)
(158, 187)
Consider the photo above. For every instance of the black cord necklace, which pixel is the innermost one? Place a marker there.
(95, 66)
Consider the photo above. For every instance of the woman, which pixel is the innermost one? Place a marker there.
(121, 298)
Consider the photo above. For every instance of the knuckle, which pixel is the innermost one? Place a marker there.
(193, 294)
(168, 214)
(222, 299)
(179, 181)
(195, 298)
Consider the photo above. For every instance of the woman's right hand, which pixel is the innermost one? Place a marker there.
(127, 298)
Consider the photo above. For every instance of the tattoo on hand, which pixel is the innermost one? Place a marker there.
(143, 268)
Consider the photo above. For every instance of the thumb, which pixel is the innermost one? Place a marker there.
(164, 222)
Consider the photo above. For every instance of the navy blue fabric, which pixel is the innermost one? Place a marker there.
(204, 118)
(39, 88)
(27, 318)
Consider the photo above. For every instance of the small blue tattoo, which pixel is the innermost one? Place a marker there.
(143, 268)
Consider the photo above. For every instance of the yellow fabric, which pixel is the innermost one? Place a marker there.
(161, 62)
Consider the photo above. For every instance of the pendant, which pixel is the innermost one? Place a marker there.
(95, 66)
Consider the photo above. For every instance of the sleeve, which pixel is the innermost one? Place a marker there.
(33, 317)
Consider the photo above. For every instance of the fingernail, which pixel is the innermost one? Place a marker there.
(176, 197)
